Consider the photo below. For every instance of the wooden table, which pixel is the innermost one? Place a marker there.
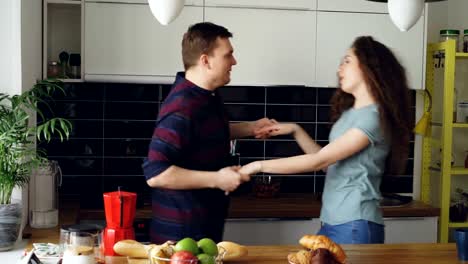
(364, 254)
(357, 254)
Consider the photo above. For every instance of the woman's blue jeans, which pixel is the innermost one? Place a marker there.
(354, 232)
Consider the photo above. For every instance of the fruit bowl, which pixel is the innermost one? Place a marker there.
(207, 260)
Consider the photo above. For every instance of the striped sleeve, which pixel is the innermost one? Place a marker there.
(170, 137)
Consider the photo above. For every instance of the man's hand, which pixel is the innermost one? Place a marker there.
(276, 129)
(229, 179)
(261, 125)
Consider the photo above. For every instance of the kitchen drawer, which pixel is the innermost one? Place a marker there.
(266, 231)
(411, 230)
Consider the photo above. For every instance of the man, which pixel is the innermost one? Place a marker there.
(187, 159)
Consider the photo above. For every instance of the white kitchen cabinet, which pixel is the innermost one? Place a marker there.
(351, 6)
(272, 47)
(336, 31)
(62, 32)
(274, 4)
(269, 231)
(124, 42)
(411, 230)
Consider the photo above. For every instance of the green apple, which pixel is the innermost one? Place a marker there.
(208, 246)
(187, 244)
(206, 259)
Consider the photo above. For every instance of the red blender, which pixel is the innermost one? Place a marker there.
(120, 212)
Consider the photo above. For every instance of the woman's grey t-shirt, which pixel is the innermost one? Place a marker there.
(351, 189)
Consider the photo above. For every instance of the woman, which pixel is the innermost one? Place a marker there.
(370, 136)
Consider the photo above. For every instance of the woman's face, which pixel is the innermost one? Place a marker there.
(349, 73)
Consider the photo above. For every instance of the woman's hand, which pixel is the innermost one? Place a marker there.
(251, 168)
(276, 130)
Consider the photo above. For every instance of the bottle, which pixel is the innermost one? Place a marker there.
(465, 40)
(75, 63)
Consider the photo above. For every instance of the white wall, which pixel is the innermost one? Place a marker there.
(20, 57)
(31, 42)
(437, 19)
(10, 46)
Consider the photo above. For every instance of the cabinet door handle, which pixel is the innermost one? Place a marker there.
(259, 7)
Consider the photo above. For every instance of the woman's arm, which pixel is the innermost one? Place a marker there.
(350, 143)
(307, 144)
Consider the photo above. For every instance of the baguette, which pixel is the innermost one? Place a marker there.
(233, 250)
(132, 248)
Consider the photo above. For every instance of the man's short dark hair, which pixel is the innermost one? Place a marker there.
(200, 39)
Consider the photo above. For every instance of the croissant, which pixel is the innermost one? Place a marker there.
(301, 257)
(318, 241)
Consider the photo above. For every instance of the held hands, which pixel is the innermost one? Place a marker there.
(230, 178)
(260, 124)
(275, 129)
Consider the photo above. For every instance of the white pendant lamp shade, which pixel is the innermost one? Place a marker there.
(165, 11)
(405, 13)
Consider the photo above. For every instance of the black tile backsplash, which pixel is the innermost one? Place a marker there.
(113, 124)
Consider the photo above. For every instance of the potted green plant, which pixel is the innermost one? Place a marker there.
(18, 152)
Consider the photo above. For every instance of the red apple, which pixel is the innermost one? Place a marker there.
(183, 257)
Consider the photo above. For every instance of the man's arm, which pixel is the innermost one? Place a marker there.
(177, 178)
(246, 129)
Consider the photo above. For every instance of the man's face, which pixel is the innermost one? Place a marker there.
(221, 60)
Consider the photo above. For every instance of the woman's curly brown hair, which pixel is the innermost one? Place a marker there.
(387, 82)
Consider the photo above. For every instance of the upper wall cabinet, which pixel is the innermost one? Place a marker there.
(336, 31)
(352, 6)
(274, 4)
(272, 47)
(124, 42)
(62, 40)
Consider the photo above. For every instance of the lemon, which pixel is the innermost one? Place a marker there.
(187, 244)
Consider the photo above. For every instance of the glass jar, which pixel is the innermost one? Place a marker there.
(465, 40)
(53, 69)
(446, 34)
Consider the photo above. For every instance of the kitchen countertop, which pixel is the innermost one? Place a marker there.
(286, 206)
